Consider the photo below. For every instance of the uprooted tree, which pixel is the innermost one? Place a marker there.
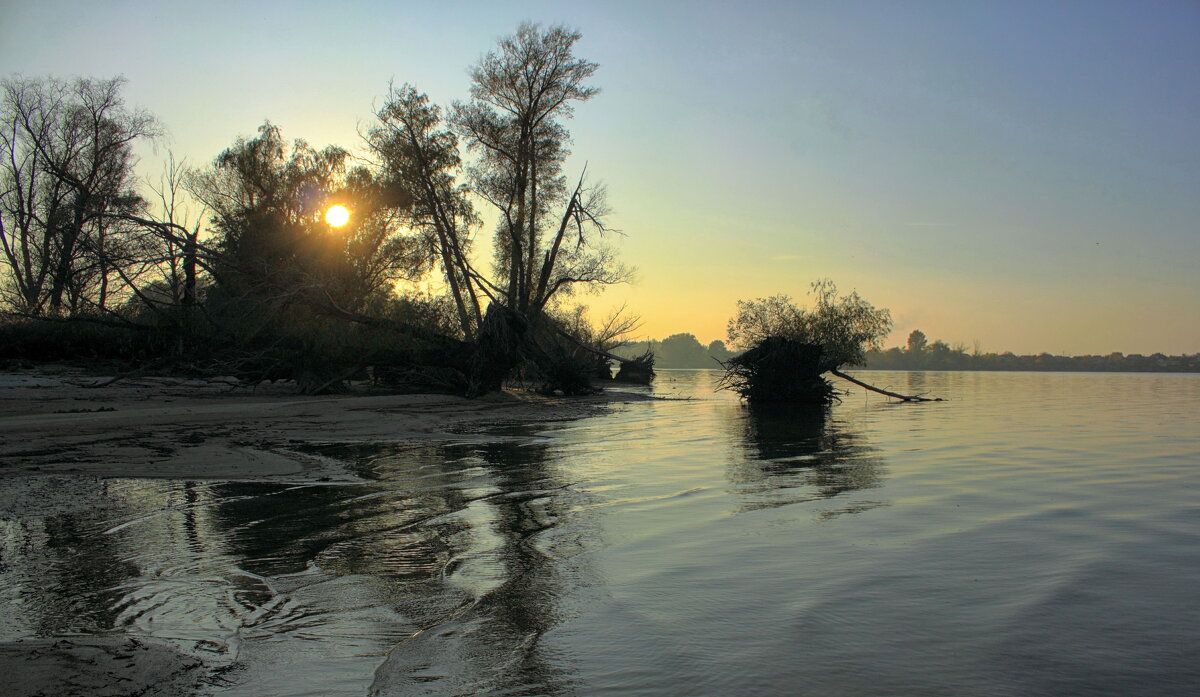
(788, 349)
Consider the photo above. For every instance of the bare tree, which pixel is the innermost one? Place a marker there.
(180, 240)
(602, 338)
(30, 197)
(67, 166)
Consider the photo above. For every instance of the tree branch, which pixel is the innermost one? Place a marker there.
(895, 395)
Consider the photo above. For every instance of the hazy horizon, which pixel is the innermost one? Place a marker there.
(1018, 174)
(899, 342)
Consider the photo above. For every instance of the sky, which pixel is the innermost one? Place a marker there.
(1021, 176)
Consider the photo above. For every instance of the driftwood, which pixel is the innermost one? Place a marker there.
(639, 370)
(895, 395)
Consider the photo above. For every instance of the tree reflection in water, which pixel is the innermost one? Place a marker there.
(788, 454)
(64, 586)
(484, 526)
(452, 560)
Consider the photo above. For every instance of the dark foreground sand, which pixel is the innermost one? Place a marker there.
(59, 437)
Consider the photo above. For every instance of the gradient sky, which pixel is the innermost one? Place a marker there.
(1021, 174)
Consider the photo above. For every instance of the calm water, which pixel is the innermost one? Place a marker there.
(1039, 534)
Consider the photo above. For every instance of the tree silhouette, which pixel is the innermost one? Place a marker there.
(844, 328)
(520, 93)
(418, 154)
(271, 272)
(916, 342)
(789, 348)
(268, 200)
(66, 165)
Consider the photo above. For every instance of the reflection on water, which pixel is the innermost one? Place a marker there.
(690, 546)
(797, 454)
(447, 533)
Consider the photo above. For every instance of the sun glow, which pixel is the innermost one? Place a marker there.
(337, 216)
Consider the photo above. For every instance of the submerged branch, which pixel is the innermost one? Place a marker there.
(896, 395)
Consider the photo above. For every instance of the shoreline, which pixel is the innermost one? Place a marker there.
(53, 422)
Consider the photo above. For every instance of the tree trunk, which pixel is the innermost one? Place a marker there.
(497, 350)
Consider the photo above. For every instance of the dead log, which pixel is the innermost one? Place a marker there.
(639, 370)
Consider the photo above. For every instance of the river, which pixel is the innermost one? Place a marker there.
(1036, 534)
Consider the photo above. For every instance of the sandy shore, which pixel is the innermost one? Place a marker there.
(53, 422)
(60, 436)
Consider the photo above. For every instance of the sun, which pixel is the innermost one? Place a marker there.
(337, 216)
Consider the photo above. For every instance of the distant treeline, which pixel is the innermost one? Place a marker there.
(946, 358)
(919, 354)
(679, 351)
(686, 351)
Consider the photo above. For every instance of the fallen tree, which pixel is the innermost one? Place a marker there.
(778, 369)
(789, 349)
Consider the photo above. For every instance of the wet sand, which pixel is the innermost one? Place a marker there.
(61, 436)
(53, 422)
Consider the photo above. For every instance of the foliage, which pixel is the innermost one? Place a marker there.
(546, 242)
(917, 341)
(844, 327)
(788, 349)
(268, 201)
(718, 351)
(418, 154)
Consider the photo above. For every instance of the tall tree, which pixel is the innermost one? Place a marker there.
(917, 342)
(419, 155)
(520, 94)
(66, 167)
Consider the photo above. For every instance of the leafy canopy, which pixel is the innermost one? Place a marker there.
(844, 327)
